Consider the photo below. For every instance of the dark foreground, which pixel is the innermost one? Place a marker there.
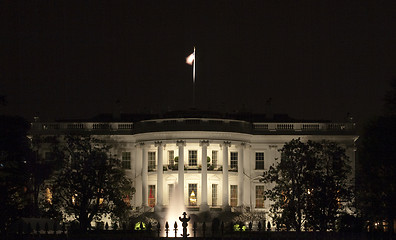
(123, 235)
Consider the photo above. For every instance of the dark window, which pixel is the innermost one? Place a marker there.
(260, 196)
(151, 195)
(192, 158)
(126, 160)
(234, 195)
(151, 161)
(234, 161)
(259, 160)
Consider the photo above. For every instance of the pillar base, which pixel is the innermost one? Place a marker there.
(204, 207)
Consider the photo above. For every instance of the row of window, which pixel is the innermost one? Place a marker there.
(193, 195)
(192, 159)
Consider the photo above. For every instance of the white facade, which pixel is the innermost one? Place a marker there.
(239, 153)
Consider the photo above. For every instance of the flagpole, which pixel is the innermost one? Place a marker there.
(194, 78)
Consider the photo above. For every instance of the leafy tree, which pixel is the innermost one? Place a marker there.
(309, 184)
(329, 186)
(376, 178)
(14, 152)
(91, 183)
(376, 170)
(390, 100)
(40, 168)
(290, 189)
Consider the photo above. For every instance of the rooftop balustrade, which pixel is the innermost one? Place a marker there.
(192, 124)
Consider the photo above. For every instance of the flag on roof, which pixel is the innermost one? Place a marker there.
(190, 59)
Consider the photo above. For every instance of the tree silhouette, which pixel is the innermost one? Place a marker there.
(309, 184)
(376, 170)
(91, 183)
(14, 153)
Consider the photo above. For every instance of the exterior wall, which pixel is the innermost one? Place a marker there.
(245, 144)
(269, 145)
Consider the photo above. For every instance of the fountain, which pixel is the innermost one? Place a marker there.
(176, 208)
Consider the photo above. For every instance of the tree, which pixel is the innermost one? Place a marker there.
(40, 168)
(309, 184)
(290, 189)
(330, 189)
(14, 152)
(390, 100)
(376, 178)
(91, 183)
(376, 170)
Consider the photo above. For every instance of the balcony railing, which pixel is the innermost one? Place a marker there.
(175, 167)
(85, 126)
(304, 127)
(219, 125)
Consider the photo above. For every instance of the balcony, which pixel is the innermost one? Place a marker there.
(303, 128)
(196, 124)
(174, 167)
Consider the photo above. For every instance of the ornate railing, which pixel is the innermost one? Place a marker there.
(185, 124)
(304, 127)
(256, 229)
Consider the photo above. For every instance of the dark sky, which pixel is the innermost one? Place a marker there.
(315, 59)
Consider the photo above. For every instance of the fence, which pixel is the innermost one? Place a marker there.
(196, 230)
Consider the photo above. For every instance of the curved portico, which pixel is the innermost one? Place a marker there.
(202, 167)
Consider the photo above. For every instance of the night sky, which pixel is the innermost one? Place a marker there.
(314, 59)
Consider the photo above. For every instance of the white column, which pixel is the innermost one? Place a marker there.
(180, 184)
(204, 177)
(240, 175)
(144, 176)
(160, 176)
(137, 169)
(225, 204)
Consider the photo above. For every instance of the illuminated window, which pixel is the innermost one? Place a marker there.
(48, 195)
(192, 193)
(234, 195)
(192, 158)
(151, 195)
(259, 160)
(214, 159)
(260, 196)
(171, 157)
(234, 160)
(214, 194)
(126, 160)
(151, 161)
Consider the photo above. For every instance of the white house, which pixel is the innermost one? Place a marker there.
(218, 160)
